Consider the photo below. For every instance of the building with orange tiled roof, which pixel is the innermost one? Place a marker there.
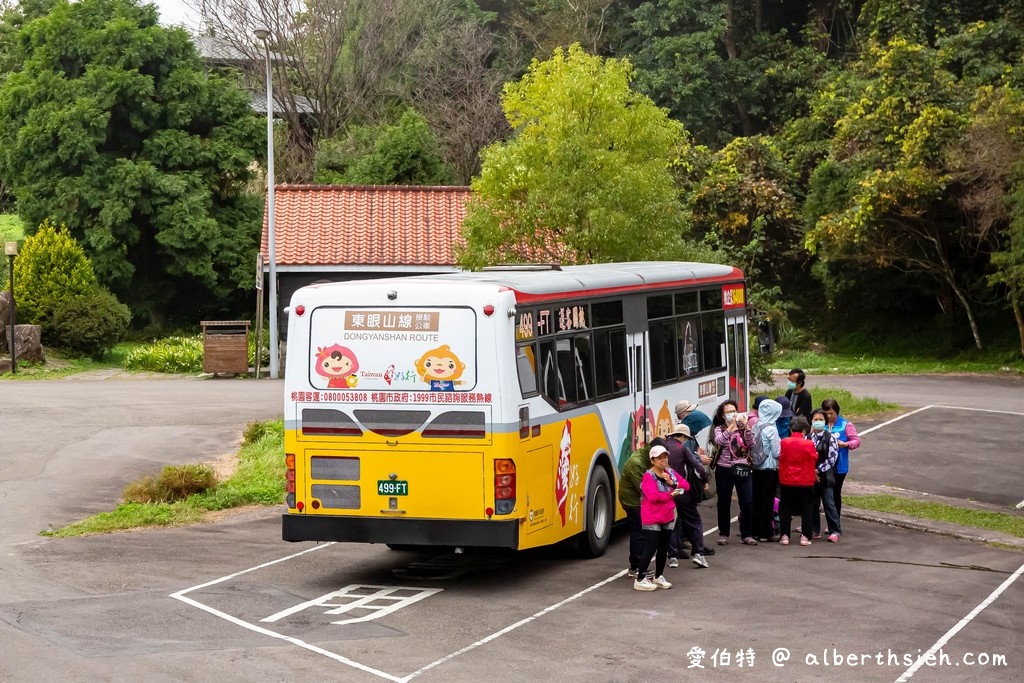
(351, 232)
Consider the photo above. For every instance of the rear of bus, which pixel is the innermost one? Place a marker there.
(390, 406)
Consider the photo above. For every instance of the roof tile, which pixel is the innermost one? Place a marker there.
(366, 224)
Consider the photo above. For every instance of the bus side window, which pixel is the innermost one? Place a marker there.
(584, 366)
(526, 365)
(551, 383)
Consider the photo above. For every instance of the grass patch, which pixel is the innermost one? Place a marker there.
(258, 480)
(11, 228)
(60, 364)
(1003, 522)
(819, 363)
(853, 407)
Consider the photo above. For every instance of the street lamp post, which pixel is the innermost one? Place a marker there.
(264, 35)
(11, 249)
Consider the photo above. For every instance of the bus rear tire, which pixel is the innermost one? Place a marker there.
(600, 514)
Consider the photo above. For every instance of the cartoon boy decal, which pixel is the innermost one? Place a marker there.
(643, 426)
(440, 368)
(664, 420)
(339, 365)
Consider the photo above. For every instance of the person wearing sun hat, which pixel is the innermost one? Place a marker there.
(683, 459)
(659, 488)
(688, 413)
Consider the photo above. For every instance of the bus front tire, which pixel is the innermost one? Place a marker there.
(600, 514)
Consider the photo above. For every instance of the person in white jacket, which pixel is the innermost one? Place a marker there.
(765, 456)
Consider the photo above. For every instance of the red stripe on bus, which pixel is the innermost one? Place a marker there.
(525, 298)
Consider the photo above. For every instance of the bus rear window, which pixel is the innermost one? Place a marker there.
(400, 349)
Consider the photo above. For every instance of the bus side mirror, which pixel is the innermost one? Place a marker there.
(766, 337)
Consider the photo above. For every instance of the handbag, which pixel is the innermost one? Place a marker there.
(740, 471)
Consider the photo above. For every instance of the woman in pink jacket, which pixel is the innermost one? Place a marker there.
(658, 490)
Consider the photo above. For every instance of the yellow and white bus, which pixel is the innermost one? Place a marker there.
(496, 408)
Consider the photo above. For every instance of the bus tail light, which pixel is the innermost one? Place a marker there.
(504, 486)
(289, 478)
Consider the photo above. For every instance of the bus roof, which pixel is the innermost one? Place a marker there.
(541, 282)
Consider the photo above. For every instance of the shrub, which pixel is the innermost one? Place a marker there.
(174, 483)
(257, 431)
(173, 354)
(51, 268)
(90, 324)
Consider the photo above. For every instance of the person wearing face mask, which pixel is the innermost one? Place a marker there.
(847, 440)
(828, 453)
(799, 397)
(734, 439)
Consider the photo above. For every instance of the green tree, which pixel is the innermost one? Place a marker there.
(585, 177)
(406, 153)
(111, 126)
(51, 267)
(880, 196)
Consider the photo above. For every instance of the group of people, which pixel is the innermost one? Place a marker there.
(784, 455)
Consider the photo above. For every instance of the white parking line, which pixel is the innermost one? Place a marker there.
(895, 419)
(180, 595)
(927, 656)
(527, 620)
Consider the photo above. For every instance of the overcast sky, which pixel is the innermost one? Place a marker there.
(175, 13)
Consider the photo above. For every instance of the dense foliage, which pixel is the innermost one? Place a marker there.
(110, 125)
(91, 324)
(860, 159)
(51, 267)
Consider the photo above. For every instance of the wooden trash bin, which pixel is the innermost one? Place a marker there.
(226, 346)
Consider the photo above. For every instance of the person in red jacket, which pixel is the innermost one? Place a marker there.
(797, 463)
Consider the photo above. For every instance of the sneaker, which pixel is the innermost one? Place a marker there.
(660, 582)
(833, 538)
(673, 562)
(784, 540)
(699, 560)
(644, 584)
(749, 540)
(723, 540)
(708, 551)
(631, 573)
(815, 536)
(805, 541)
(762, 539)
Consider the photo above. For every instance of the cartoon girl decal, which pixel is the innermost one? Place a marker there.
(440, 368)
(643, 420)
(339, 365)
(664, 421)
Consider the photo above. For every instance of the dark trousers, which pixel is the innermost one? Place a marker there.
(656, 546)
(689, 525)
(837, 494)
(765, 485)
(797, 500)
(636, 537)
(825, 495)
(744, 492)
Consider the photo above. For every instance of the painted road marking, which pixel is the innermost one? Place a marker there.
(375, 601)
(960, 625)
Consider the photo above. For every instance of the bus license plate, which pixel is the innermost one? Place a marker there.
(387, 487)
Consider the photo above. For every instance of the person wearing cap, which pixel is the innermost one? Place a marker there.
(629, 498)
(683, 459)
(689, 415)
(659, 488)
(782, 424)
(753, 416)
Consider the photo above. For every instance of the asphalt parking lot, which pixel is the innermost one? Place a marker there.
(230, 601)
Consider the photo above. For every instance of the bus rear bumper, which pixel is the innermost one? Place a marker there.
(464, 533)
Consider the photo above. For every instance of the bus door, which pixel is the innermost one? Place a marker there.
(635, 314)
(736, 357)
